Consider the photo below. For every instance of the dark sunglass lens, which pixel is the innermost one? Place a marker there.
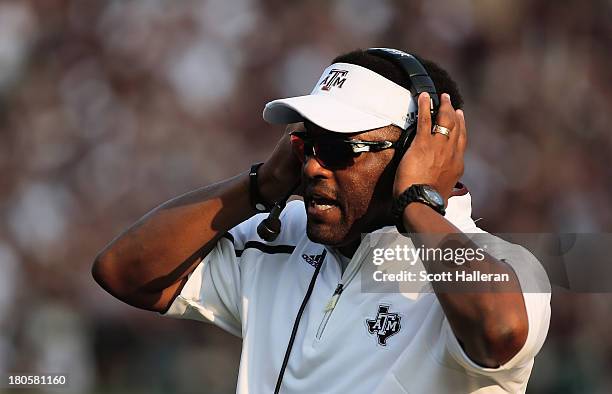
(334, 153)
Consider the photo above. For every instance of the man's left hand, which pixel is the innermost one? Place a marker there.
(434, 159)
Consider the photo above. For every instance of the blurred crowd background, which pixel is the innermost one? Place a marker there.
(108, 108)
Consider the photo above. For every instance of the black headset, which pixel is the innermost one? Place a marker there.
(420, 82)
(269, 228)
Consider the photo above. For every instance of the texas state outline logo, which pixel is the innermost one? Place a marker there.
(384, 325)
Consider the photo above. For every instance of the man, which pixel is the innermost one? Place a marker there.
(298, 301)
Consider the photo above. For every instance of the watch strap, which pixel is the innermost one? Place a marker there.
(410, 195)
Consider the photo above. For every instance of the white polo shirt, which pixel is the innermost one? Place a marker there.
(253, 289)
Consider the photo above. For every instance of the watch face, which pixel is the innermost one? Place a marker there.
(433, 196)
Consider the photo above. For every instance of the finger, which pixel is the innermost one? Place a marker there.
(455, 131)
(424, 118)
(462, 138)
(446, 118)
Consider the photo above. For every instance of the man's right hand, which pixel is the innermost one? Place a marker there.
(282, 171)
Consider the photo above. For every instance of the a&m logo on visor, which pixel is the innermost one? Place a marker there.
(335, 78)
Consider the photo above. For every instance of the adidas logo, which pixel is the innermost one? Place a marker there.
(313, 259)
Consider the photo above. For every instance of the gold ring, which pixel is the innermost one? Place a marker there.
(441, 130)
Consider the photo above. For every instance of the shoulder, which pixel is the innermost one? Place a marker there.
(293, 219)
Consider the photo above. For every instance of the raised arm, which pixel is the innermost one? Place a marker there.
(492, 326)
(147, 264)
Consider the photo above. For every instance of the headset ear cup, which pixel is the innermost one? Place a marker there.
(403, 143)
(411, 134)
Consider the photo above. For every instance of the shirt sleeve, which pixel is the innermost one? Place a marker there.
(213, 290)
(536, 295)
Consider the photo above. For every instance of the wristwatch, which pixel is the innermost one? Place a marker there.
(424, 194)
(257, 201)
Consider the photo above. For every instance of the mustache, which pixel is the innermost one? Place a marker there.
(319, 188)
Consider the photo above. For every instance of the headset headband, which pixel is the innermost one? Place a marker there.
(420, 82)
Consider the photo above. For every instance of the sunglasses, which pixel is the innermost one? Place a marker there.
(333, 152)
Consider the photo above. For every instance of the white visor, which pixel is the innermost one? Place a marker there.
(347, 99)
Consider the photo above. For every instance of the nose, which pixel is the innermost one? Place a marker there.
(313, 169)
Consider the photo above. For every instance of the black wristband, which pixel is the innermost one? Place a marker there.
(257, 201)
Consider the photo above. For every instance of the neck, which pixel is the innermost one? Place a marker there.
(349, 249)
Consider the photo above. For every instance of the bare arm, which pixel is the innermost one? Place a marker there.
(491, 326)
(148, 263)
(490, 320)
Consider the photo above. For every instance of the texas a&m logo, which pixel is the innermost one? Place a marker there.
(384, 325)
(335, 78)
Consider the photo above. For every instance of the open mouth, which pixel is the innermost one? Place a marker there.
(322, 204)
(322, 207)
